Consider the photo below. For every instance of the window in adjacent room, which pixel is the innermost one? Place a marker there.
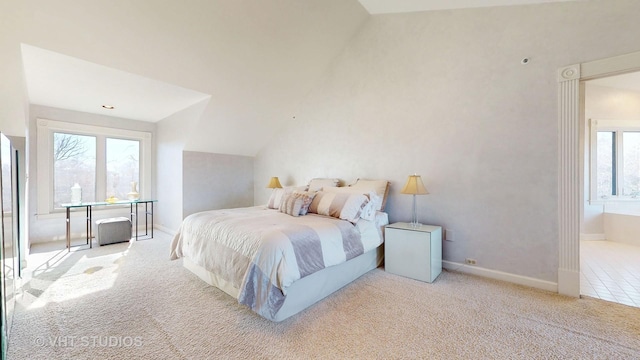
(615, 160)
(103, 161)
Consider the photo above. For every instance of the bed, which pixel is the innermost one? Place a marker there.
(279, 261)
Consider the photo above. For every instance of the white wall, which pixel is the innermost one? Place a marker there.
(443, 94)
(602, 103)
(172, 137)
(52, 226)
(190, 181)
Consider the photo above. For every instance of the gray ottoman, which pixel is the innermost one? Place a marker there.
(113, 230)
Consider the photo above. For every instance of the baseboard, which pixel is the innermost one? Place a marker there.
(569, 282)
(592, 237)
(165, 229)
(499, 275)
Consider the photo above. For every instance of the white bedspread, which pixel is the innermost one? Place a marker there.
(261, 251)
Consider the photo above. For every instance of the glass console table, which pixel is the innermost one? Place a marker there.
(132, 214)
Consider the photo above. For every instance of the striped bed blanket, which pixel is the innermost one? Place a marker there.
(261, 252)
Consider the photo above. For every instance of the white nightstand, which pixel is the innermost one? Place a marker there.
(413, 252)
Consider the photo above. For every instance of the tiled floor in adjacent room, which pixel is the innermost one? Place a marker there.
(610, 271)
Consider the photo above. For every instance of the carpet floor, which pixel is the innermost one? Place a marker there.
(128, 301)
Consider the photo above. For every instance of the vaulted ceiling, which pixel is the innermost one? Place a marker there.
(253, 61)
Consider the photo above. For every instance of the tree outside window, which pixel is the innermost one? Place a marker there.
(74, 161)
(123, 166)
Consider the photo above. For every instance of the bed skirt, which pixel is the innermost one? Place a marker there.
(308, 290)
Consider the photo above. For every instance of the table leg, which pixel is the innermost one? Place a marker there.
(136, 221)
(90, 233)
(69, 229)
(146, 218)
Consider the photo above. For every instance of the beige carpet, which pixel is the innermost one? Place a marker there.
(128, 301)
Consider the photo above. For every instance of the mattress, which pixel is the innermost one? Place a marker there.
(309, 290)
(257, 254)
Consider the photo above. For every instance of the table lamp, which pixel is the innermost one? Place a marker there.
(414, 186)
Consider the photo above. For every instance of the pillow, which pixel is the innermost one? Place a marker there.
(296, 203)
(369, 211)
(291, 205)
(307, 197)
(278, 194)
(320, 183)
(345, 206)
(276, 198)
(381, 188)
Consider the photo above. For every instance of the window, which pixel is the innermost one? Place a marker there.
(615, 160)
(123, 166)
(103, 161)
(74, 162)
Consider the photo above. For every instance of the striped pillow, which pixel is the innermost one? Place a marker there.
(345, 206)
(369, 210)
(276, 198)
(291, 205)
(277, 195)
(297, 203)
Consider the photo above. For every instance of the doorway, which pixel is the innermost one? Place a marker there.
(571, 167)
(610, 221)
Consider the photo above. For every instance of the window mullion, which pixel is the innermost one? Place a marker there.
(619, 163)
(593, 155)
(101, 168)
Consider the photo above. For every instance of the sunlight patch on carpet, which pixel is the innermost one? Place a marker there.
(78, 280)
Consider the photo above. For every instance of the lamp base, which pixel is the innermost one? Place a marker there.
(414, 215)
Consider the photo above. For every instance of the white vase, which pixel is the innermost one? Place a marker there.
(76, 194)
(133, 195)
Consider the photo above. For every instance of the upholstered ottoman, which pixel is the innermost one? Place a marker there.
(113, 230)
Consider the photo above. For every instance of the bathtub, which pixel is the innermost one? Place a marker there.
(622, 222)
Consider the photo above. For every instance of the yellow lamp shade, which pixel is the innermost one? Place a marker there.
(414, 186)
(274, 183)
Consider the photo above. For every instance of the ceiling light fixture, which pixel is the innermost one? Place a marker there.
(108, 107)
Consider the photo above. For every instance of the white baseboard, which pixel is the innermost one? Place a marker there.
(499, 275)
(569, 282)
(165, 229)
(592, 237)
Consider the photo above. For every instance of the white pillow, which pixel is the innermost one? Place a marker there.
(380, 187)
(318, 184)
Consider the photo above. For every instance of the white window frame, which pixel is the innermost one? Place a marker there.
(46, 129)
(619, 126)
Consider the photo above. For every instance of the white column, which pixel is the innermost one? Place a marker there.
(569, 181)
